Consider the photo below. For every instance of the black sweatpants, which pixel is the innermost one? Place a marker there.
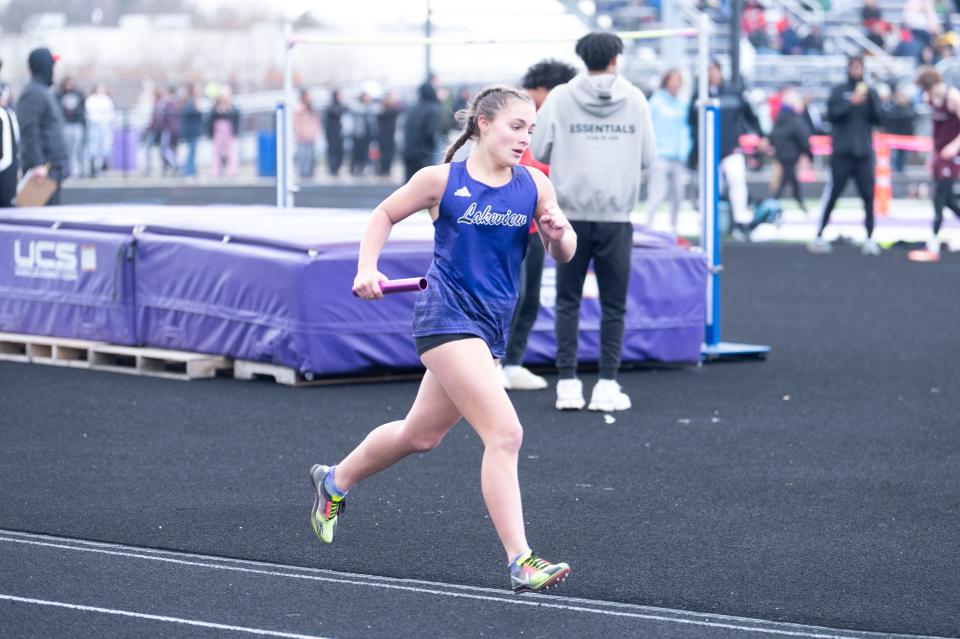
(56, 174)
(842, 168)
(334, 155)
(609, 245)
(412, 165)
(528, 302)
(943, 198)
(789, 178)
(359, 155)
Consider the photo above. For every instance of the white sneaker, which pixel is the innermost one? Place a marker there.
(570, 394)
(870, 247)
(607, 396)
(519, 378)
(820, 246)
(502, 376)
(933, 246)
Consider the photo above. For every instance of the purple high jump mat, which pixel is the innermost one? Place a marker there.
(67, 283)
(274, 286)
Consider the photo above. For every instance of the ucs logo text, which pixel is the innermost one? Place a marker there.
(46, 259)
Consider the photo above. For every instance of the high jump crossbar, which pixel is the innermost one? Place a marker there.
(624, 35)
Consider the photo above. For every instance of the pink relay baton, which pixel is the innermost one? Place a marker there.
(404, 285)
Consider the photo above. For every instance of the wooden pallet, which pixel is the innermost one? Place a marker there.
(133, 360)
(247, 370)
(39, 349)
(156, 362)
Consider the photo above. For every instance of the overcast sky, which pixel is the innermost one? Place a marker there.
(367, 14)
(456, 21)
(489, 18)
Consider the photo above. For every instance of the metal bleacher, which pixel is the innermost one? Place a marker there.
(841, 27)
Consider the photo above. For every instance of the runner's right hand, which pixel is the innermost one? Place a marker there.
(366, 285)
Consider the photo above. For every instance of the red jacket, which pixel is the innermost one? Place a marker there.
(527, 159)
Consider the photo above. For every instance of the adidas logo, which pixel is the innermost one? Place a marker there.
(462, 192)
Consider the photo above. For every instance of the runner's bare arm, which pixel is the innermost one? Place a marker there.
(558, 237)
(422, 191)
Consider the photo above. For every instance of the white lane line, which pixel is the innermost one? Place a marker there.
(141, 615)
(580, 605)
(82, 544)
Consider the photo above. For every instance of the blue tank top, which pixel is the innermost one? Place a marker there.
(480, 239)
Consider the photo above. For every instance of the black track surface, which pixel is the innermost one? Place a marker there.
(821, 486)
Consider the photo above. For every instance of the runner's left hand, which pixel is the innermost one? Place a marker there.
(553, 222)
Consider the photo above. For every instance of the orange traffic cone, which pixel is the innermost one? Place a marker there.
(883, 185)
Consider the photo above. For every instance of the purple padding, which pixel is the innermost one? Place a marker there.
(295, 308)
(666, 307)
(270, 304)
(67, 283)
(278, 288)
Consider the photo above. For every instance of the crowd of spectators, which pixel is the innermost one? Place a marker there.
(920, 29)
(779, 33)
(363, 132)
(376, 131)
(177, 121)
(924, 30)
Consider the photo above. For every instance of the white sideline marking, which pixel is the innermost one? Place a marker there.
(429, 587)
(141, 615)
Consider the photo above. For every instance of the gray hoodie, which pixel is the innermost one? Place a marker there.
(597, 135)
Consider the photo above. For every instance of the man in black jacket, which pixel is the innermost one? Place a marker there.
(71, 102)
(853, 111)
(899, 118)
(42, 144)
(421, 130)
(333, 132)
(790, 138)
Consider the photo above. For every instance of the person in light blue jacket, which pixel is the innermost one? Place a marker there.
(669, 174)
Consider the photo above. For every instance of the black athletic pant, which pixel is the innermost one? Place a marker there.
(55, 198)
(359, 155)
(789, 178)
(8, 185)
(55, 173)
(842, 168)
(528, 302)
(388, 150)
(943, 198)
(412, 165)
(334, 155)
(609, 245)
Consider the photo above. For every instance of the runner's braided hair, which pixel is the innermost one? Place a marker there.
(488, 103)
